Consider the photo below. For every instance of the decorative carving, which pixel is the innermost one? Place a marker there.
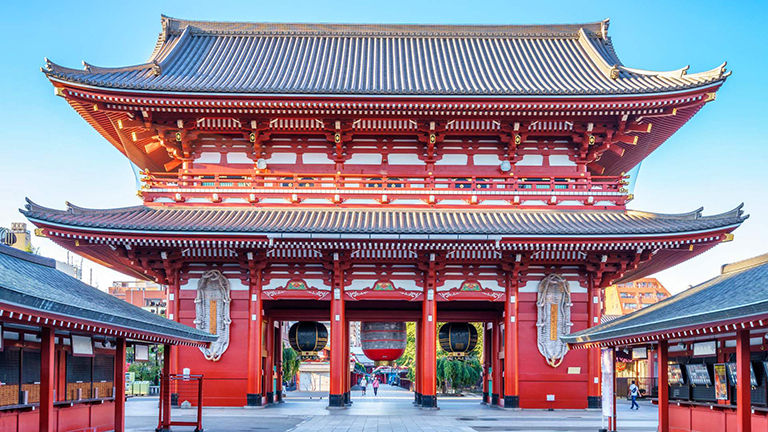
(470, 286)
(554, 318)
(212, 311)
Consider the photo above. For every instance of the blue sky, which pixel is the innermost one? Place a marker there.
(717, 160)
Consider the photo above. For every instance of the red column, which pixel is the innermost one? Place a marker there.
(495, 362)
(429, 333)
(279, 362)
(511, 394)
(119, 382)
(417, 367)
(168, 353)
(593, 354)
(346, 364)
(172, 312)
(269, 372)
(743, 383)
(487, 342)
(253, 395)
(338, 318)
(47, 382)
(663, 369)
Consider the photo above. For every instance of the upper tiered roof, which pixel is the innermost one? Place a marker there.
(344, 59)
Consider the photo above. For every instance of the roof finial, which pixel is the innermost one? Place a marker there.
(604, 28)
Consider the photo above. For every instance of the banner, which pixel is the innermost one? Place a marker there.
(606, 367)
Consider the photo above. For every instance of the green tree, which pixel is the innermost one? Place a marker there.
(291, 363)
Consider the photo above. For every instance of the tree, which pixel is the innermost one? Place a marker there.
(291, 363)
(461, 373)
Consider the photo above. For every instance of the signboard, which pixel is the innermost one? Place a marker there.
(606, 368)
(698, 374)
(704, 349)
(141, 352)
(675, 375)
(639, 353)
(82, 346)
(731, 367)
(721, 382)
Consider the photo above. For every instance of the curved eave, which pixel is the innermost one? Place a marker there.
(640, 93)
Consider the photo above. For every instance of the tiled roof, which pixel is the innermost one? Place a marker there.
(32, 282)
(358, 221)
(735, 295)
(343, 59)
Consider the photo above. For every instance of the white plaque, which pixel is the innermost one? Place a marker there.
(705, 348)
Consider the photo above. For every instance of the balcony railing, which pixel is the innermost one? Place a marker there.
(273, 188)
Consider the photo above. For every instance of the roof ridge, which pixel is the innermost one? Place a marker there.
(27, 256)
(175, 26)
(746, 264)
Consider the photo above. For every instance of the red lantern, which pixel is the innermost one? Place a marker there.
(383, 341)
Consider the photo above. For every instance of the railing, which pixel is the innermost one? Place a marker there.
(340, 188)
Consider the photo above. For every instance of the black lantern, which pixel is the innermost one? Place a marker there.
(307, 338)
(457, 338)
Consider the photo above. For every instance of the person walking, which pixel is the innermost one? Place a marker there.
(375, 386)
(363, 384)
(634, 392)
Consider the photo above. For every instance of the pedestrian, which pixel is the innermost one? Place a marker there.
(634, 392)
(375, 386)
(363, 384)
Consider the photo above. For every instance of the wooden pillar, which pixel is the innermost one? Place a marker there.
(269, 372)
(511, 372)
(168, 352)
(417, 369)
(119, 382)
(47, 381)
(487, 342)
(254, 391)
(593, 354)
(347, 385)
(613, 393)
(279, 362)
(495, 362)
(743, 382)
(338, 319)
(172, 312)
(663, 369)
(429, 334)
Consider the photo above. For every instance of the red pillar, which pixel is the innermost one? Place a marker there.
(593, 354)
(279, 362)
(269, 373)
(47, 382)
(429, 333)
(254, 391)
(495, 362)
(511, 393)
(663, 369)
(347, 380)
(172, 312)
(166, 387)
(119, 382)
(487, 342)
(743, 383)
(338, 318)
(417, 368)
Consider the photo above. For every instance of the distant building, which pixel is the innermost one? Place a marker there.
(20, 237)
(623, 299)
(146, 295)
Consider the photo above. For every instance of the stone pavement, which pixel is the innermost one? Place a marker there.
(391, 411)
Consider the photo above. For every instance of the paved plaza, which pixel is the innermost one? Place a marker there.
(391, 411)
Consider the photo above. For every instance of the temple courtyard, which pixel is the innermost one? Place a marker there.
(391, 411)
